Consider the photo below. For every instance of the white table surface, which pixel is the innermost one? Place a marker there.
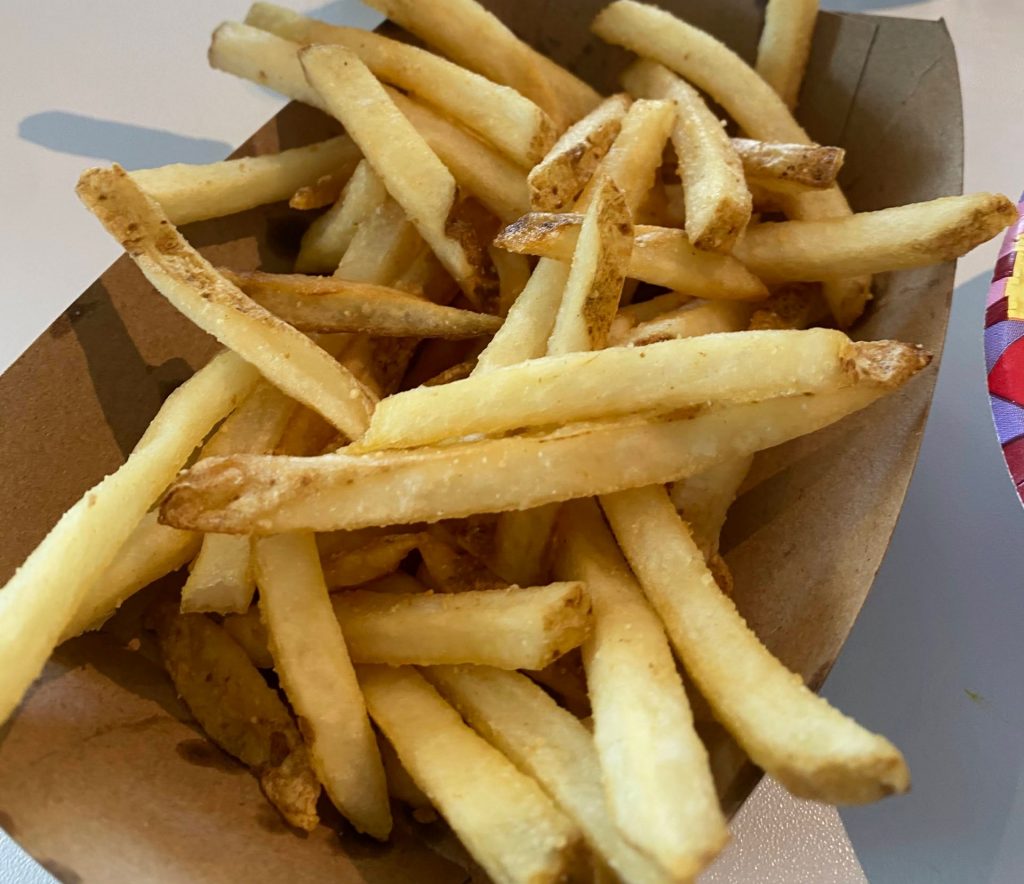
(936, 659)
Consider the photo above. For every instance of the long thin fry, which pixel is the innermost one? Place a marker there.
(499, 114)
(653, 764)
(501, 815)
(786, 45)
(690, 321)
(384, 245)
(38, 603)
(263, 495)
(551, 745)
(792, 734)
(313, 664)
(286, 357)
(194, 193)
(417, 180)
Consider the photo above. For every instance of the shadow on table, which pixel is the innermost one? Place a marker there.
(134, 147)
(935, 660)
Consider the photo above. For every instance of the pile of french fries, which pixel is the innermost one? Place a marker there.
(474, 456)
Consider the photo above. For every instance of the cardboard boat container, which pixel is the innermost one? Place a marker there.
(103, 776)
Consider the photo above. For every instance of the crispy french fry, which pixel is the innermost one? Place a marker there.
(514, 272)
(559, 178)
(238, 710)
(654, 767)
(377, 557)
(689, 321)
(252, 494)
(703, 500)
(661, 256)
(659, 378)
(313, 664)
(521, 542)
(797, 737)
(799, 305)
(501, 815)
(417, 180)
(325, 191)
(475, 38)
(565, 679)
(786, 45)
(496, 182)
(599, 263)
(286, 357)
(327, 239)
(644, 311)
(384, 244)
(636, 155)
(400, 785)
(499, 114)
(319, 304)
(789, 168)
(151, 552)
(248, 630)
(41, 600)
(873, 242)
(509, 628)
(451, 569)
(718, 203)
(194, 193)
(552, 746)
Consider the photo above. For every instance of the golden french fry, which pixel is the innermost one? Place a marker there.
(327, 239)
(319, 304)
(509, 628)
(786, 45)
(718, 203)
(238, 710)
(798, 305)
(451, 569)
(41, 600)
(565, 679)
(253, 494)
(703, 500)
(654, 767)
(417, 180)
(689, 321)
(325, 191)
(599, 263)
(559, 178)
(658, 378)
(286, 357)
(499, 114)
(313, 664)
(873, 242)
(501, 815)
(383, 246)
(248, 630)
(496, 182)
(475, 38)
(194, 193)
(643, 311)
(813, 750)
(514, 272)
(661, 256)
(789, 168)
(377, 557)
(400, 785)
(552, 746)
(521, 542)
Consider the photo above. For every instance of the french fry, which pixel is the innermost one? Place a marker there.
(327, 239)
(549, 744)
(703, 500)
(287, 358)
(689, 321)
(451, 569)
(513, 628)
(400, 785)
(514, 272)
(377, 557)
(427, 277)
(813, 750)
(903, 237)
(238, 710)
(785, 46)
(559, 178)
(643, 311)
(480, 171)
(190, 193)
(319, 304)
(384, 244)
(521, 543)
(325, 191)
(659, 378)
(789, 168)
(248, 631)
(636, 154)
(718, 203)
(661, 256)
(253, 494)
(414, 176)
(499, 114)
(594, 286)
(41, 600)
(565, 679)
(151, 552)
(653, 765)
(313, 664)
(501, 815)
(799, 305)
(475, 38)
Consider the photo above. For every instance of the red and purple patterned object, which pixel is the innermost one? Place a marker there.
(1004, 350)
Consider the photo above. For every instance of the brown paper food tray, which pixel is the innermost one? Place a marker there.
(103, 777)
